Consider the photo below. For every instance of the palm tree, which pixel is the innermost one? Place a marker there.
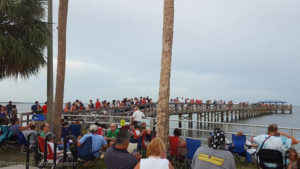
(165, 72)
(23, 37)
(61, 65)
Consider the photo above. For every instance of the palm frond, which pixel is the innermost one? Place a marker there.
(23, 37)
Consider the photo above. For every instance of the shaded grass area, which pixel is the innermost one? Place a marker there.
(14, 155)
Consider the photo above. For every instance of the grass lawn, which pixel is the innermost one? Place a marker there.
(14, 155)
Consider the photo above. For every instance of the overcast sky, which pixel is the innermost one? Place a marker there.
(234, 50)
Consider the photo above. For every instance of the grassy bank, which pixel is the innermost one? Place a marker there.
(14, 155)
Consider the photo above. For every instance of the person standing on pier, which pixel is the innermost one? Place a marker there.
(91, 105)
(98, 104)
(138, 115)
(3, 112)
(35, 107)
(9, 108)
(44, 108)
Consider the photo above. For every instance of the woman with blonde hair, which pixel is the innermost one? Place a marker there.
(156, 153)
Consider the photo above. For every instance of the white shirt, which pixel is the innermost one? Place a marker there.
(154, 163)
(138, 115)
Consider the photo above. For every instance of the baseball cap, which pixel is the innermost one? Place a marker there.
(93, 127)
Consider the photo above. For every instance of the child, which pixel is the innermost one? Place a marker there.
(292, 159)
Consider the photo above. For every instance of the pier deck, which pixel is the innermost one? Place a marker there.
(204, 112)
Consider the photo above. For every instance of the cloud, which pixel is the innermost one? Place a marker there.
(239, 50)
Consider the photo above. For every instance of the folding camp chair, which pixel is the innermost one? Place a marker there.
(192, 145)
(239, 148)
(24, 142)
(50, 154)
(85, 153)
(270, 159)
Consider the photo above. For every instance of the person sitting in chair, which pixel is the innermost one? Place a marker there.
(45, 129)
(274, 140)
(117, 156)
(98, 141)
(214, 156)
(32, 130)
(177, 144)
(17, 127)
(112, 134)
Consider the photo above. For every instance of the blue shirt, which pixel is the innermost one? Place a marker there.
(97, 142)
(2, 114)
(15, 128)
(280, 143)
(34, 108)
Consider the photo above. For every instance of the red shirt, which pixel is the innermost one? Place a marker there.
(100, 131)
(174, 145)
(45, 108)
(98, 105)
(143, 101)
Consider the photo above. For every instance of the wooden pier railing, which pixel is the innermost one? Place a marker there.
(204, 112)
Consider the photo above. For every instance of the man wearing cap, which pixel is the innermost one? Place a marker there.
(97, 140)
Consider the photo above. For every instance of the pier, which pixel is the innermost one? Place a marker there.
(185, 111)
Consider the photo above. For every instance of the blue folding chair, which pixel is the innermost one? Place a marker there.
(75, 129)
(85, 153)
(192, 145)
(239, 148)
(22, 141)
(85, 150)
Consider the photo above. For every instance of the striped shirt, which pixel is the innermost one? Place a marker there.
(119, 159)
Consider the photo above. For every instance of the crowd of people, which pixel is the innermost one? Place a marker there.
(199, 101)
(10, 110)
(124, 144)
(117, 140)
(78, 105)
(273, 141)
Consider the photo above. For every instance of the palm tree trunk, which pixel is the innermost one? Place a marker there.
(165, 72)
(50, 114)
(61, 66)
